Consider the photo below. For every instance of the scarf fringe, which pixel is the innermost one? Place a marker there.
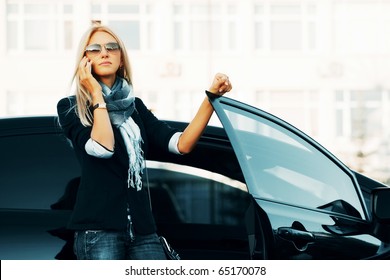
(120, 104)
(132, 138)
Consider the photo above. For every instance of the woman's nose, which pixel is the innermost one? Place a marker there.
(104, 52)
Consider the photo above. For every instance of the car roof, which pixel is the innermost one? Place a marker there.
(213, 151)
(28, 125)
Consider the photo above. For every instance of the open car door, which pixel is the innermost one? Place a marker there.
(308, 203)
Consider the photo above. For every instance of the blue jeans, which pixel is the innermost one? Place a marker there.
(117, 245)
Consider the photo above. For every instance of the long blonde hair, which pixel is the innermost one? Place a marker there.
(83, 97)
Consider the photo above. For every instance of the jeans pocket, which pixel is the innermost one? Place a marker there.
(84, 242)
(92, 236)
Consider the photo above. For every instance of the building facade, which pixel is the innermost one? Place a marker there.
(322, 65)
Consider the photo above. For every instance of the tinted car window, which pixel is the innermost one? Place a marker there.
(284, 167)
(36, 170)
(202, 213)
(184, 194)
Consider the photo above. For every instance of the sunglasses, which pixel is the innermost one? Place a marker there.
(96, 49)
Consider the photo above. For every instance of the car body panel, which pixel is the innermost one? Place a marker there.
(34, 234)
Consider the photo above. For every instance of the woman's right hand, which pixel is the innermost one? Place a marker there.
(101, 129)
(87, 80)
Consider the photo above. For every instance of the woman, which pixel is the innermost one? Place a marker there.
(111, 132)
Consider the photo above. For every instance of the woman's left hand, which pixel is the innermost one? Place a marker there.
(220, 84)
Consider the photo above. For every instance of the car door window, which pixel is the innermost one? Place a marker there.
(183, 194)
(280, 165)
(202, 213)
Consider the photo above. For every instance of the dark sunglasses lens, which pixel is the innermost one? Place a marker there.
(95, 48)
(112, 46)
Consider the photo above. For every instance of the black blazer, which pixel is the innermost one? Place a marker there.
(103, 193)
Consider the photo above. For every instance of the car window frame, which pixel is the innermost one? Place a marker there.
(218, 103)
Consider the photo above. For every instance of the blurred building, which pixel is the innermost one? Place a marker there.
(323, 65)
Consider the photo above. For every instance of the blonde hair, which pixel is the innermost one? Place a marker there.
(83, 97)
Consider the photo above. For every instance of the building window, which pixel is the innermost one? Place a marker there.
(359, 114)
(37, 27)
(285, 26)
(362, 123)
(286, 35)
(205, 26)
(135, 23)
(299, 107)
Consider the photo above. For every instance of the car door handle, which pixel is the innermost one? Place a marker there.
(295, 234)
(299, 238)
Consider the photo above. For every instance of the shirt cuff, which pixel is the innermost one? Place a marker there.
(172, 145)
(95, 149)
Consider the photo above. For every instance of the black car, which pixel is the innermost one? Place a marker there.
(258, 188)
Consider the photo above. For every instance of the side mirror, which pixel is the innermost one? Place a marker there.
(380, 208)
(380, 198)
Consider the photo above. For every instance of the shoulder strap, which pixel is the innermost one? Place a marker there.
(147, 184)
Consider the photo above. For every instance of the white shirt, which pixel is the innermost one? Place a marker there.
(95, 149)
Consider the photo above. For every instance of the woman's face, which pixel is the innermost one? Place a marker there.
(104, 54)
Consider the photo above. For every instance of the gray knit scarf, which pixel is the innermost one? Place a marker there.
(120, 105)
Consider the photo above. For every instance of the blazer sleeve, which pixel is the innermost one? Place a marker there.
(158, 132)
(70, 123)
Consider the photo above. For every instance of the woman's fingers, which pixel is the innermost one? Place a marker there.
(221, 84)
